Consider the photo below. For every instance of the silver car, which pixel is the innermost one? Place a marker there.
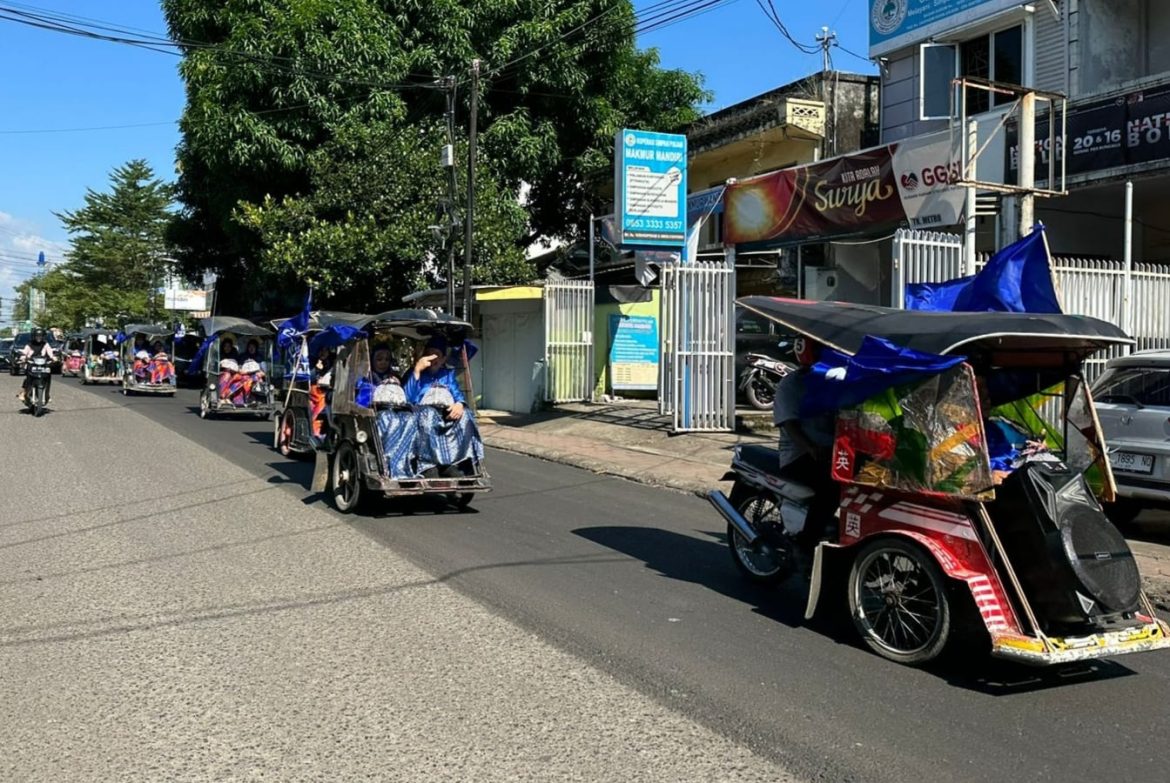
(1133, 403)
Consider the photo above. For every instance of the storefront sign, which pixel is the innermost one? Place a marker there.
(895, 24)
(633, 352)
(909, 183)
(650, 183)
(1100, 135)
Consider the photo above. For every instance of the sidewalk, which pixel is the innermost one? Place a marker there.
(631, 440)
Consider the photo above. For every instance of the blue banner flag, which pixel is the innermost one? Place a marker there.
(195, 366)
(333, 337)
(297, 325)
(839, 381)
(1017, 279)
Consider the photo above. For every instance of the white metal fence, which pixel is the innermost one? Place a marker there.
(697, 355)
(568, 341)
(923, 257)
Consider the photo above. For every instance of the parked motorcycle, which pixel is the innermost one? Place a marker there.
(758, 380)
(38, 369)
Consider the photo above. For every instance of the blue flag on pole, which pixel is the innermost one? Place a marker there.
(839, 381)
(195, 366)
(1017, 279)
(295, 326)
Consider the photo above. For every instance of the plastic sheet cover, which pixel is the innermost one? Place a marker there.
(925, 437)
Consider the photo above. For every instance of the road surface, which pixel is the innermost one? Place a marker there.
(635, 583)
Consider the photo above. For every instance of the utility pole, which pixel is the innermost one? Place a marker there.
(470, 217)
(826, 38)
(448, 160)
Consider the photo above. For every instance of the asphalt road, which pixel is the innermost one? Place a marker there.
(637, 582)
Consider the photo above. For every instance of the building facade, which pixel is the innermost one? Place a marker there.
(1111, 58)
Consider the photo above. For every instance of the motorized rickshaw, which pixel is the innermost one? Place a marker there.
(300, 398)
(147, 367)
(102, 363)
(72, 355)
(375, 439)
(237, 381)
(971, 488)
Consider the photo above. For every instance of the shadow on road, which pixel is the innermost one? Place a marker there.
(707, 563)
(702, 562)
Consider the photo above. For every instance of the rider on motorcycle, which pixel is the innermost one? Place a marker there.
(38, 345)
(806, 441)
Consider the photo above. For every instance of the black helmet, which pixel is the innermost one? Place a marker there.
(38, 335)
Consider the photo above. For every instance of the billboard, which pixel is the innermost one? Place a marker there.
(910, 183)
(184, 300)
(650, 188)
(895, 24)
(633, 352)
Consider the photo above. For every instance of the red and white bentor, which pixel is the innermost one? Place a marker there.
(932, 539)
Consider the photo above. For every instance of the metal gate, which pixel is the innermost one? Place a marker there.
(696, 366)
(568, 341)
(923, 257)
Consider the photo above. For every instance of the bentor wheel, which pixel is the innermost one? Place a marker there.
(761, 563)
(204, 405)
(285, 429)
(346, 479)
(760, 394)
(899, 603)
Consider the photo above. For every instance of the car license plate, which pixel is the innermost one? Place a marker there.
(1128, 462)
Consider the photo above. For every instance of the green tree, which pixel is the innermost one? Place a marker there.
(118, 253)
(312, 130)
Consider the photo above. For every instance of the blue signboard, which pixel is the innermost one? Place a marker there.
(650, 183)
(894, 24)
(633, 352)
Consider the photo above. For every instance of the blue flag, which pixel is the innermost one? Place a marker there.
(333, 337)
(840, 381)
(195, 366)
(1017, 279)
(295, 326)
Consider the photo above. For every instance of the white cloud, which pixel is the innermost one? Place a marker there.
(20, 242)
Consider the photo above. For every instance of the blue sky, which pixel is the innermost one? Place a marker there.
(54, 81)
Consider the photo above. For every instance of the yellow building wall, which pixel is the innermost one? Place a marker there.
(748, 157)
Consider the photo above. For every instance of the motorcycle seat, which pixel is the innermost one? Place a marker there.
(767, 460)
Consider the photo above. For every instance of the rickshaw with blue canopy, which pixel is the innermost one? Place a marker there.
(401, 420)
(147, 366)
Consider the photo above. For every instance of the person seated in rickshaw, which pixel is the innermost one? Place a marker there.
(141, 365)
(448, 435)
(320, 382)
(227, 349)
(806, 442)
(160, 368)
(396, 419)
(252, 354)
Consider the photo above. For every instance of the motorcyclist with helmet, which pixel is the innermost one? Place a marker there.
(38, 345)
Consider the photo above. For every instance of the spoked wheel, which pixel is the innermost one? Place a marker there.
(204, 406)
(86, 377)
(760, 393)
(346, 478)
(761, 562)
(285, 430)
(898, 601)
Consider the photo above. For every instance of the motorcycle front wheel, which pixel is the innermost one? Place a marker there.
(761, 562)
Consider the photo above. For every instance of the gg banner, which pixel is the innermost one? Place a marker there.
(905, 184)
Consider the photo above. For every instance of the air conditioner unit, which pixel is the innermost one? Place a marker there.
(820, 283)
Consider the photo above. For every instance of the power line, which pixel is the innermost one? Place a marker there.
(773, 16)
(47, 20)
(852, 53)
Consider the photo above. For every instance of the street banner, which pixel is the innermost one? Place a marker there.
(650, 186)
(1123, 131)
(910, 183)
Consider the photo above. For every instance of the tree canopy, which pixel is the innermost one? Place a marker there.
(312, 132)
(118, 253)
